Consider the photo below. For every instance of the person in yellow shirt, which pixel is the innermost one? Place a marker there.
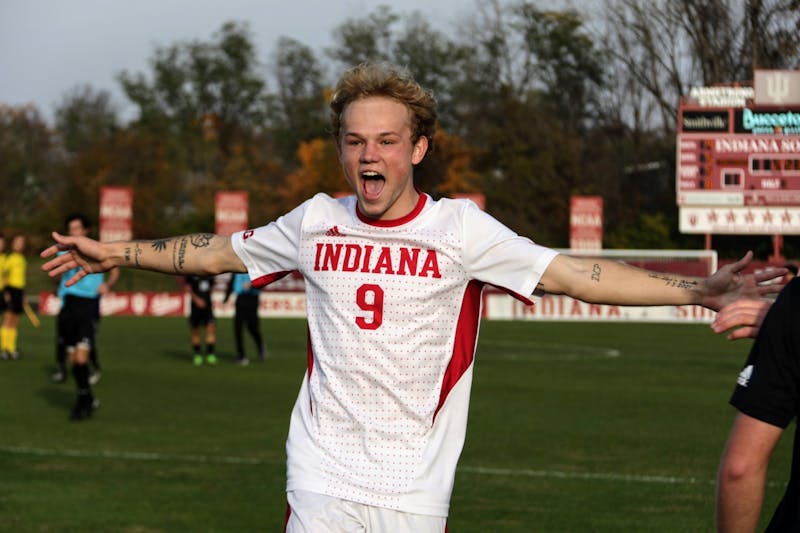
(14, 274)
(2, 276)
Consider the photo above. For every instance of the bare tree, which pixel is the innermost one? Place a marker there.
(667, 46)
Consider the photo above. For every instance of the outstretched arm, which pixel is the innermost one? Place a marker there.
(200, 253)
(611, 282)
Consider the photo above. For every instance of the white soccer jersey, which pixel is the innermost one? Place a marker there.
(393, 314)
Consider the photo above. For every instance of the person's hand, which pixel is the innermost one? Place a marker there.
(743, 317)
(729, 284)
(86, 254)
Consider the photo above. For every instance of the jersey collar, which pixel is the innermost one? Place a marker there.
(423, 198)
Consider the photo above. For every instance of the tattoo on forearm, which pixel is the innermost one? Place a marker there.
(179, 253)
(596, 272)
(182, 253)
(137, 253)
(128, 254)
(159, 245)
(670, 281)
(201, 240)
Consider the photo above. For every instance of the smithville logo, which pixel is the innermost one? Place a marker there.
(384, 260)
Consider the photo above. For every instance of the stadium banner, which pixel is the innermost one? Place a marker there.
(116, 213)
(500, 306)
(586, 223)
(292, 304)
(230, 212)
(271, 305)
(753, 220)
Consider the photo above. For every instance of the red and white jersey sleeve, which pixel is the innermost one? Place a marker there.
(393, 314)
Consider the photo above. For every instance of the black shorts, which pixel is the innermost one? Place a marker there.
(15, 297)
(77, 320)
(3, 304)
(201, 316)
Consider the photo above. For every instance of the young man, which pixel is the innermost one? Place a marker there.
(91, 288)
(245, 315)
(14, 273)
(393, 291)
(767, 398)
(201, 318)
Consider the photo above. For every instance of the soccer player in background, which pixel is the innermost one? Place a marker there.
(14, 269)
(245, 315)
(393, 293)
(201, 318)
(91, 287)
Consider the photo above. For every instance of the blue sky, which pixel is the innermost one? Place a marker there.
(48, 47)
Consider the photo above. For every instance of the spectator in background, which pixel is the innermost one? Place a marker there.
(14, 269)
(94, 286)
(201, 317)
(245, 315)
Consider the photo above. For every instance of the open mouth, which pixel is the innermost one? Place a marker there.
(372, 184)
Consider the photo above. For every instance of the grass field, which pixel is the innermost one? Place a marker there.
(573, 427)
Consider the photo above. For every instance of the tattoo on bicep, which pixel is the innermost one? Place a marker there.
(159, 245)
(201, 240)
(678, 283)
(596, 270)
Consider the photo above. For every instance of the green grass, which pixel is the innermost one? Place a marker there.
(573, 427)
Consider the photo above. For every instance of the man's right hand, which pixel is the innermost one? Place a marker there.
(743, 317)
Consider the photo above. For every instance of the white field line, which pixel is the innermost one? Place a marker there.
(214, 459)
(595, 476)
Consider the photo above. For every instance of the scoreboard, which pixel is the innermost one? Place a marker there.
(738, 169)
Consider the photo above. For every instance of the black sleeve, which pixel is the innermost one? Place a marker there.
(767, 387)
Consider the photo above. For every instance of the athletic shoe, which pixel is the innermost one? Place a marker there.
(15, 356)
(198, 360)
(263, 355)
(3, 356)
(94, 377)
(211, 359)
(58, 377)
(82, 412)
(243, 361)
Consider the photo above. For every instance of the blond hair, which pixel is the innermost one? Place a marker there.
(384, 79)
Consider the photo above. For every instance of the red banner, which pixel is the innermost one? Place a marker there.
(116, 213)
(586, 223)
(231, 209)
(127, 304)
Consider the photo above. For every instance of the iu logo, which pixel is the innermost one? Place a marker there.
(777, 87)
(247, 234)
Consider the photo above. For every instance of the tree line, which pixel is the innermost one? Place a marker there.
(535, 105)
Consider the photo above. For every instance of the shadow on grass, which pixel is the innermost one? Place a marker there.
(58, 395)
